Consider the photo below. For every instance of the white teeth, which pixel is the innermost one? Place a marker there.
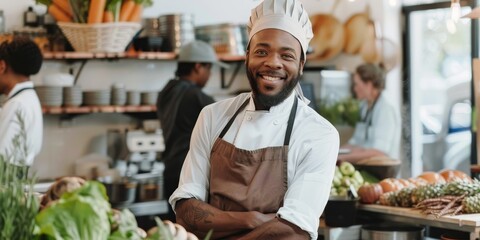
(272, 79)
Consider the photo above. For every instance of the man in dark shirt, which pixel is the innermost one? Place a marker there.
(178, 106)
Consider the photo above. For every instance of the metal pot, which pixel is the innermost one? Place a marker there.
(121, 192)
(150, 187)
(390, 232)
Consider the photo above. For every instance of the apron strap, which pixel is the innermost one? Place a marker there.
(230, 122)
(21, 90)
(369, 116)
(291, 120)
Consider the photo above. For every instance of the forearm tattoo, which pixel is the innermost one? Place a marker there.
(197, 215)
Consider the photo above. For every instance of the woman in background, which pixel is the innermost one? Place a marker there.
(378, 131)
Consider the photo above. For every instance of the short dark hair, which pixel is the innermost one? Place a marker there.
(185, 68)
(22, 55)
(372, 73)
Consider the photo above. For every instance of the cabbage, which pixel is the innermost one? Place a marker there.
(81, 214)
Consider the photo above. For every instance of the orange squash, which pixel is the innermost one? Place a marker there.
(370, 193)
(388, 185)
(452, 175)
(432, 177)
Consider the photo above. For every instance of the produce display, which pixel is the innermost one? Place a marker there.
(78, 209)
(96, 11)
(345, 175)
(449, 192)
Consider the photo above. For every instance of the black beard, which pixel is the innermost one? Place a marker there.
(270, 101)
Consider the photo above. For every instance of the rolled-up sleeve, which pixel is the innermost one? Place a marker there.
(309, 190)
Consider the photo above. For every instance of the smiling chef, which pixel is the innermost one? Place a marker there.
(261, 164)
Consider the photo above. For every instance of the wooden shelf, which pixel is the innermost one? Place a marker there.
(99, 109)
(127, 55)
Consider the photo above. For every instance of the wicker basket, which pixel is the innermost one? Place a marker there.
(102, 37)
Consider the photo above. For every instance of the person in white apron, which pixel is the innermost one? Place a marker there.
(378, 131)
(261, 164)
(19, 59)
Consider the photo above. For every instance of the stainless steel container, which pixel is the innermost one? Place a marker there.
(176, 30)
(121, 192)
(151, 27)
(391, 232)
(225, 38)
(150, 186)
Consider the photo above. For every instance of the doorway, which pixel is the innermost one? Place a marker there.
(437, 91)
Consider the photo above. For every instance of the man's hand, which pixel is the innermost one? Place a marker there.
(276, 229)
(199, 217)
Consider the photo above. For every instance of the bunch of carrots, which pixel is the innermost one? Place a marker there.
(96, 11)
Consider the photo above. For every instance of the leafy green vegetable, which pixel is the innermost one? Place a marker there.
(81, 214)
(114, 6)
(163, 233)
(127, 227)
(80, 10)
(367, 177)
(346, 111)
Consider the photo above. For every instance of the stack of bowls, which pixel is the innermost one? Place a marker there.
(72, 96)
(96, 98)
(133, 98)
(149, 98)
(119, 95)
(50, 96)
(176, 30)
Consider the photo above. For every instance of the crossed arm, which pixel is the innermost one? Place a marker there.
(199, 217)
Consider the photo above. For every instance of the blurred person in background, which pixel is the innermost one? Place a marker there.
(378, 131)
(178, 106)
(19, 59)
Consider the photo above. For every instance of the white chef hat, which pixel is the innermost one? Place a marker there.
(286, 15)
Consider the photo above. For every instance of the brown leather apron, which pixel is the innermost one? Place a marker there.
(249, 180)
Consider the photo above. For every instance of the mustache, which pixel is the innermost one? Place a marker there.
(272, 73)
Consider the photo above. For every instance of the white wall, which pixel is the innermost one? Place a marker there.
(67, 141)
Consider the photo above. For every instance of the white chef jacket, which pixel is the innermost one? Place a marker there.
(28, 105)
(312, 154)
(383, 132)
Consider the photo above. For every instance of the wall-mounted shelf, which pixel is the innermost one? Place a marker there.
(127, 55)
(68, 113)
(84, 56)
(99, 109)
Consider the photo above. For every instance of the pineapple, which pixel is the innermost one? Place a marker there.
(404, 197)
(471, 204)
(458, 188)
(388, 199)
(426, 191)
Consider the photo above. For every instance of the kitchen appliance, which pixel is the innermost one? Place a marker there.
(142, 147)
(135, 154)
